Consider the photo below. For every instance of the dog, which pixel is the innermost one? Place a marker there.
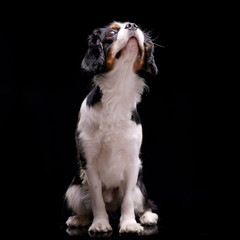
(109, 132)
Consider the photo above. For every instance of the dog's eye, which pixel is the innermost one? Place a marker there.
(111, 33)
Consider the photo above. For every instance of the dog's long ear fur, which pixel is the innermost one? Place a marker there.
(150, 61)
(94, 60)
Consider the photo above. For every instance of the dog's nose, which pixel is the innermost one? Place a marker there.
(131, 26)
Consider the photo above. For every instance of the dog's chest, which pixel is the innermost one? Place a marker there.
(111, 168)
(115, 152)
(118, 147)
(113, 139)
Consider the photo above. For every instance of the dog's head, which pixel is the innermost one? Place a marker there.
(116, 43)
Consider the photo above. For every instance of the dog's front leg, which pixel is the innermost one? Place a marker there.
(128, 222)
(100, 217)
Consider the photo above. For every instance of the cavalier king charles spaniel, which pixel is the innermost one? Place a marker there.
(109, 132)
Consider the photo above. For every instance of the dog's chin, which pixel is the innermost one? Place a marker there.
(130, 49)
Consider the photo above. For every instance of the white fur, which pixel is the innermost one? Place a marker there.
(79, 199)
(111, 143)
(149, 218)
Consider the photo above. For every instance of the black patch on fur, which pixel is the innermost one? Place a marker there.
(135, 117)
(94, 60)
(147, 203)
(94, 96)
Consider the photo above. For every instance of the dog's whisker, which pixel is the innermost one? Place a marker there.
(158, 45)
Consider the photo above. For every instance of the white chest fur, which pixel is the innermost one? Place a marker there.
(111, 139)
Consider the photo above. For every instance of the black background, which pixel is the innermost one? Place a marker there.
(42, 87)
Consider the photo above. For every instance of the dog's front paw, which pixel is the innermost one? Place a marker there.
(131, 227)
(101, 225)
(149, 218)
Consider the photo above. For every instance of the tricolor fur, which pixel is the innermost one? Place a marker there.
(109, 132)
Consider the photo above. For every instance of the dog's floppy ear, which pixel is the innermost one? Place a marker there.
(94, 60)
(150, 61)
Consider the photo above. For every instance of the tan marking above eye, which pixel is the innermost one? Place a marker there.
(114, 26)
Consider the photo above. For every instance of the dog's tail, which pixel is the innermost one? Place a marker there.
(78, 197)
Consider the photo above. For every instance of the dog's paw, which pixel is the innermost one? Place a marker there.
(101, 225)
(149, 218)
(131, 227)
(78, 220)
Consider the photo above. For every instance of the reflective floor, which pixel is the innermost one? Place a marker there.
(150, 232)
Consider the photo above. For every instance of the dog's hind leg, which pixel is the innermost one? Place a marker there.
(143, 206)
(78, 200)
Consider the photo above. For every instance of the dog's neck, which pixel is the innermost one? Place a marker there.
(121, 91)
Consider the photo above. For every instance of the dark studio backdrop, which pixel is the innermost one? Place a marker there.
(42, 87)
